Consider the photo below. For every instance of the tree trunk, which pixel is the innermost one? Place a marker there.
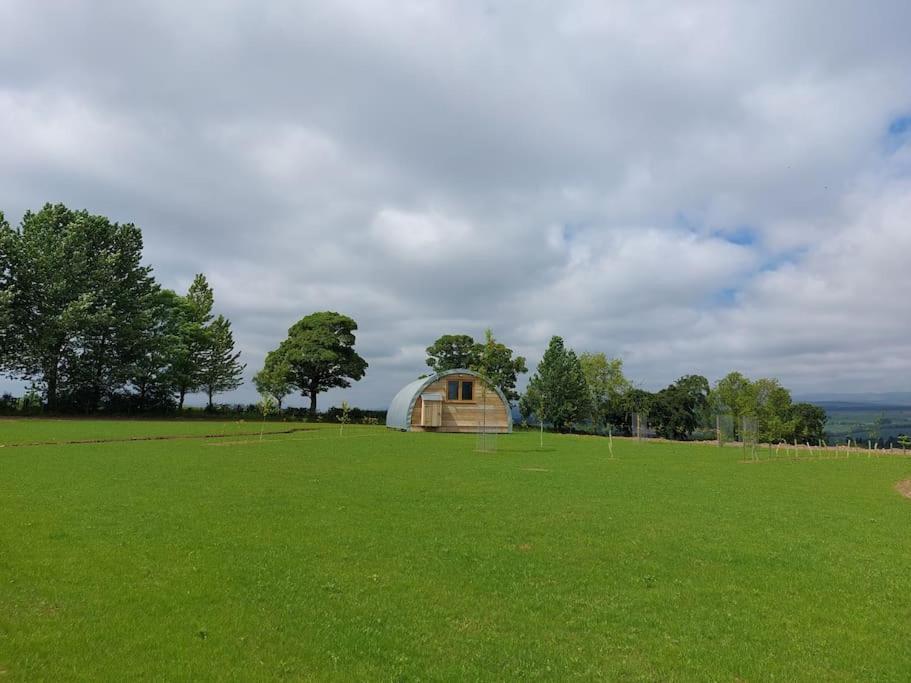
(52, 389)
(209, 392)
(313, 403)
(183, 392)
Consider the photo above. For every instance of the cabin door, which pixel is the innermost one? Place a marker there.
(431, 413)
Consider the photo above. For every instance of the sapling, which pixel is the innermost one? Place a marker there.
(266, 407)
(344, 418)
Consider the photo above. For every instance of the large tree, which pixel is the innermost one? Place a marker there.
(679, 409)
(73, 289)
(194, 338)
(493, 359)
(495, 362)
(558, 388)
(320, 352)
(606, 386)
(220, 368)
(451, 352)
(152, 378)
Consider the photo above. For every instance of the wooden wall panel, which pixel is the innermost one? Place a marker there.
(468, 416)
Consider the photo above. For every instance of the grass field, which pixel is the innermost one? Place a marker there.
(382, 555)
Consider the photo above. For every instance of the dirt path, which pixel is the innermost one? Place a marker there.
(904, 487)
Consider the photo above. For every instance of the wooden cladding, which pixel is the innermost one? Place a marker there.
(484, 410)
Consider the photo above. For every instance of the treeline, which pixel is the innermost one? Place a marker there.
(589, 392)
(87, 324)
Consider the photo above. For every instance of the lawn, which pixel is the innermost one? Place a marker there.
(383, 555)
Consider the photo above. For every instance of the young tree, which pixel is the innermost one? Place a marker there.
(73, 285)
(220, 369)
(495, 362)
(451, 352)
(559, 386)
(275, 378)
(320, 351)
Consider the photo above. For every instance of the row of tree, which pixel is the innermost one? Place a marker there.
(589, 390)
(88, 325)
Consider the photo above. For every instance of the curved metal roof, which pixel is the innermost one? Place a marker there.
(398, 416)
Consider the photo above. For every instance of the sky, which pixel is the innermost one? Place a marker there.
(692, 187)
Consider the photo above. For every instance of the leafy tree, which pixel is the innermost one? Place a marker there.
(220, 369)
(275, 378)
(152, 376)
(733, 394)
(495, 362)
(451, 352)
(605, 383)
(678, 410)
(73, 286)
(809, 422)
(771, 404)
(320, 351)
(558, 386)
(189, 353)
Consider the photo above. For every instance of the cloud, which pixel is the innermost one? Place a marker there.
(696, 188)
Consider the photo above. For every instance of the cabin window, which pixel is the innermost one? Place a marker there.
(459, 390)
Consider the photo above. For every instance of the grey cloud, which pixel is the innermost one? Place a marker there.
(538, 168)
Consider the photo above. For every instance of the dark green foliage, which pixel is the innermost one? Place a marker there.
(74, 289)
(557, 393)
(220, 369)
(451, 352)
(809, 422)
(680, 408)
(320, 355)
(82, 318)
(491, 358)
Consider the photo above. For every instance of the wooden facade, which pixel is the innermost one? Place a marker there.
(452, 401)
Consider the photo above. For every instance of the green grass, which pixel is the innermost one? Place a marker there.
(19, 431)
(382, 555)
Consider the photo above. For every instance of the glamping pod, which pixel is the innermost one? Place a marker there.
(450, 401)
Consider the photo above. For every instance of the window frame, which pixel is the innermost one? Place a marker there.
(460, 383)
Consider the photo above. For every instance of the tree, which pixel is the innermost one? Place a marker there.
(188, 359)
(809, 422)
(275, 378)
(152, 376)
(72, 289)
(494, 361)
(451, 352)
(732, 394)
(558, 386)
(220, 369)
(320, 352)
(605, 383)
(679, 409)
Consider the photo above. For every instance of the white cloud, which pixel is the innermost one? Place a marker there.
(539, 168)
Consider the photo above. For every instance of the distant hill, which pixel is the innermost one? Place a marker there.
(844, 401)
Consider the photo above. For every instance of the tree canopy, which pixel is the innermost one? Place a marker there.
(319, 353)
(491, 358)
(557, 392)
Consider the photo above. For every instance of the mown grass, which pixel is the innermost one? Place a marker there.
(382, 555)
(18, 431)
